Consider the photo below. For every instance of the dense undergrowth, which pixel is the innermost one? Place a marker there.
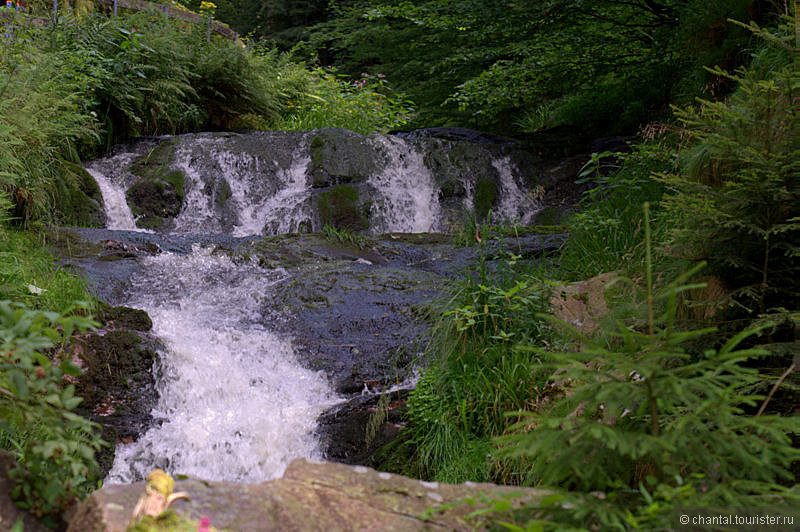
(680, 398)
(684, 396)
(70, 92)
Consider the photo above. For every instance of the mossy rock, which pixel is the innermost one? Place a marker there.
(339, 156)
(222, 193)
(123, 317)
(77, 198)
(485, 197)
(552, 216)
(159, 191)
(113, 362)
(339, 207)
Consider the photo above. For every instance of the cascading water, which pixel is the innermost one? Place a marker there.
(407, 199)
(234, 404)
(515, 205)
(109, 173)
(259, 194)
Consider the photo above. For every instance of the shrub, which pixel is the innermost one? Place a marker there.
(366, 105)
(644, 426)
(738, 195)
(478, 374)
(607, 234)
(56, 460)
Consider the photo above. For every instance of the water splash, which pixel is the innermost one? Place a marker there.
(515, 204)
(283, 212)
(407, 199)
(242, 194)
(235, 404)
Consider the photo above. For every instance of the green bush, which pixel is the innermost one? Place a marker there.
(606, 235)
(56, 460)
(366, 105)
(477, 374)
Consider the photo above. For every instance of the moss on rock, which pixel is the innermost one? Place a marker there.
(159, 192)
(77, 199)
(339, 207)
(485, 197)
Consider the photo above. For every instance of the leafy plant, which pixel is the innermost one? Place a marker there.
(345, 236)
(477, 374)
(364, 105)
(56, 462)
(607, 234)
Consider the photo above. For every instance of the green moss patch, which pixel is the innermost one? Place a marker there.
(485, 197)
(77, 199)
(159, 191)
(339, 208)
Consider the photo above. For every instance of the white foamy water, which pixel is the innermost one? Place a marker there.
(197, 213)
(118, 213)
(264, 197)
(516, 204)
(278, 214)
(235, 404)
(407, 199)
(108, 173)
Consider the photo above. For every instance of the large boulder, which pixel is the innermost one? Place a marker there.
(310, 496)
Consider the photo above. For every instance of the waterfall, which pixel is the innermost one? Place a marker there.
(234, 403)
(515, 204)
(407, 199)
(240, 193)
(109, 173)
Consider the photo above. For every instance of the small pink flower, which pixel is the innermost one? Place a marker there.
(381, 76)
(204, 525)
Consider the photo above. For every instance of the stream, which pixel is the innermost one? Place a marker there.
(238, 398)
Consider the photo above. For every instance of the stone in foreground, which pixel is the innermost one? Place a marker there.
(310, 496)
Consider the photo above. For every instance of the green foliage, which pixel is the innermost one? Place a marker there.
(92, 81)
(345, 236)
(57, 459)
(477, 374)
(29, 274)
(366, 105)
(607, 234)
(738, 194)
(648, 427)
(601, 66)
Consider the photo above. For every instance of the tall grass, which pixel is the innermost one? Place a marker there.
(606, 235)
(478, 374)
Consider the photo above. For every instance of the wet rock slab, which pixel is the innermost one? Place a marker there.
(310, 496)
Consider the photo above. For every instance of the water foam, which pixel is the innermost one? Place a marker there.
(108, 173)
(515, 205)
(407, 199)
(235, 404)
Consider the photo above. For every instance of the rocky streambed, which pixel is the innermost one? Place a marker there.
(351, 312)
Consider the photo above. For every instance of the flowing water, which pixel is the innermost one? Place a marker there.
(234, 403)
(407, 200)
